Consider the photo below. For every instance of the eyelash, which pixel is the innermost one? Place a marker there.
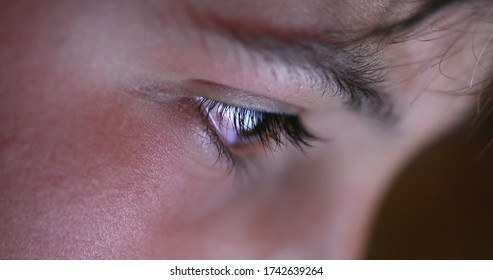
(272, 130)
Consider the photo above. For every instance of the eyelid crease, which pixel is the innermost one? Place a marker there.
(239, 98)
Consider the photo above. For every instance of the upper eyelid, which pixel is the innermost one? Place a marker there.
(238, 98)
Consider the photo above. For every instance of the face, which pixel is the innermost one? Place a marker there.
(216, 129)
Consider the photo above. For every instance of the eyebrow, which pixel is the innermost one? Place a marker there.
(347, 71)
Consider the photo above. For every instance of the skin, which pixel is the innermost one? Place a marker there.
(95, 163)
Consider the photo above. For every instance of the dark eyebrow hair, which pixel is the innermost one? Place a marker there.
(342, 70)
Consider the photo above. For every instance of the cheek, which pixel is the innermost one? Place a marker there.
(90, 176)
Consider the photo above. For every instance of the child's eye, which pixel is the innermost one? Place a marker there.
(235, 128)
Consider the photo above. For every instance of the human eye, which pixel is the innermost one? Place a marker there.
(237, 131)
